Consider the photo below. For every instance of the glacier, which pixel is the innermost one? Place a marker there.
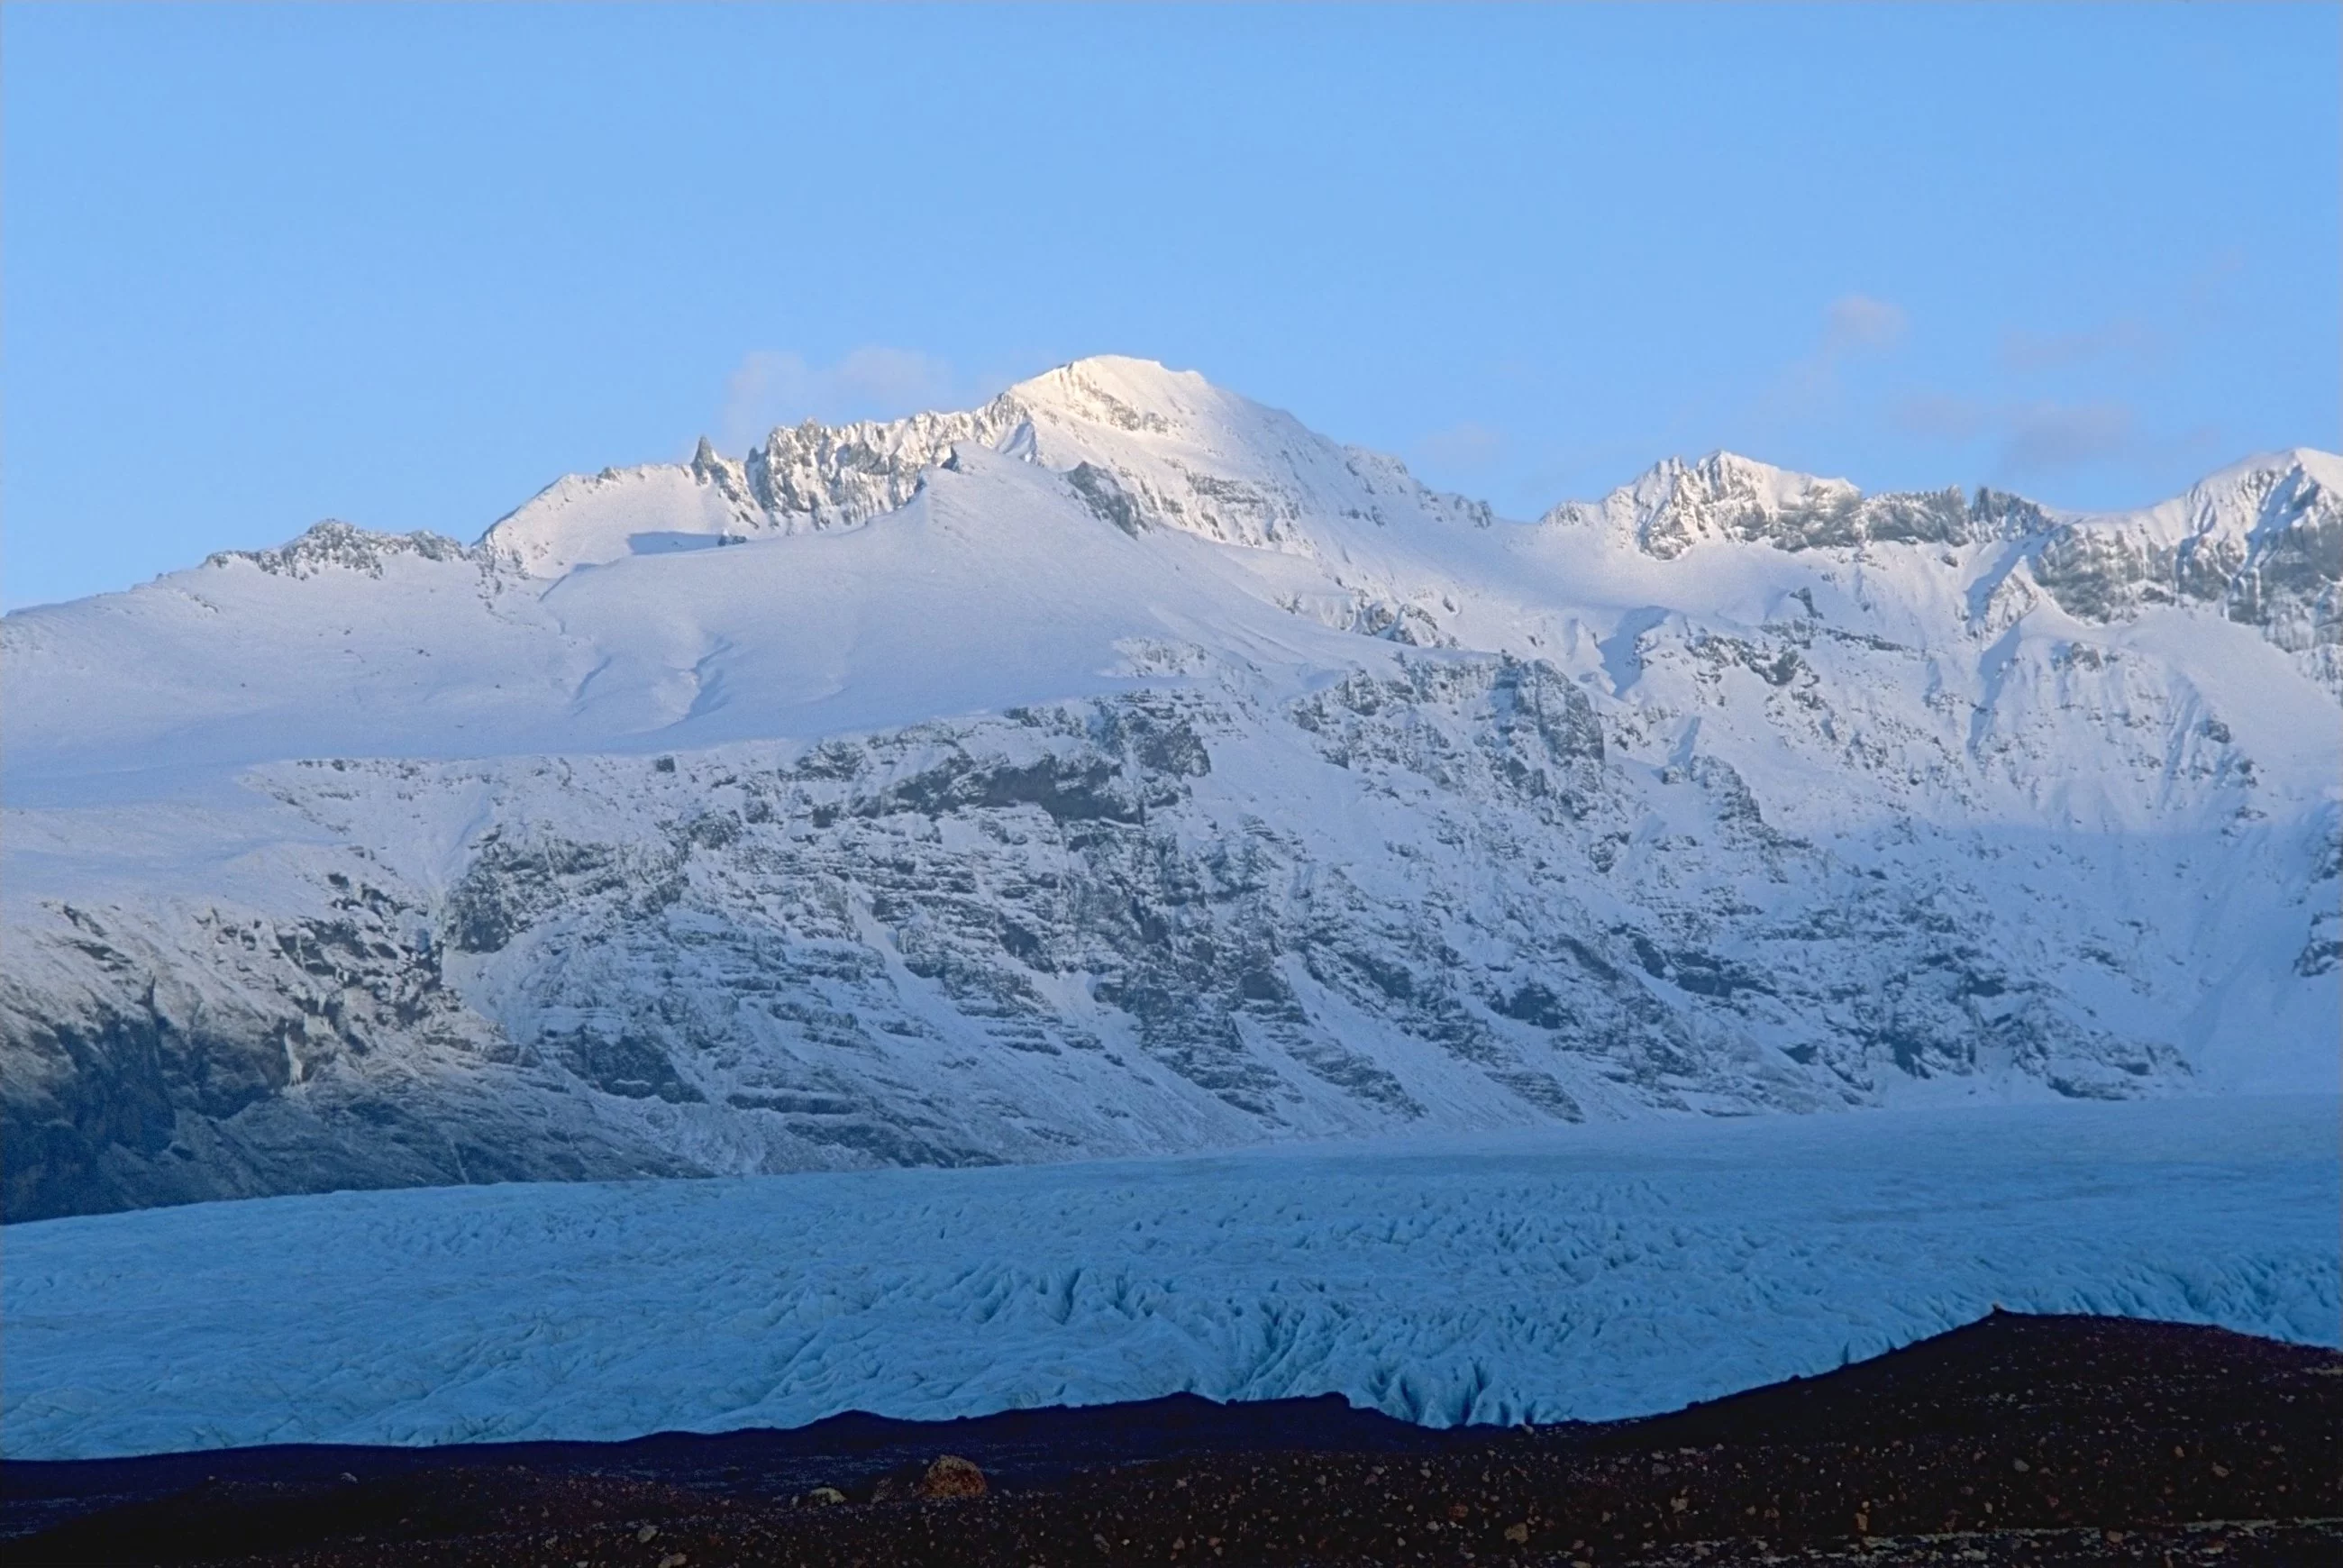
(1583, 1271)
(1122, 769)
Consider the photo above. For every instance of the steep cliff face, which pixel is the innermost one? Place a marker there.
(217, 1050)
(2262, 543)
(1122, 767)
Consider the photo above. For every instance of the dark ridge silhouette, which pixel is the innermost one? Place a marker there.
(2017, 1438)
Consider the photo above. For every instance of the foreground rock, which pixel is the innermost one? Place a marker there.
(2015, 1440)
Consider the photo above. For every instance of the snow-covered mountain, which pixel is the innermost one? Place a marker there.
(1121, 767)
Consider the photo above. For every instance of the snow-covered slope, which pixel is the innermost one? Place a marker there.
(1122, 767)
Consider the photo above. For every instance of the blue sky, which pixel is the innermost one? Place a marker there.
(407, 265)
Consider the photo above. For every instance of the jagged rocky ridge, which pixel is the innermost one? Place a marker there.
(1122, 767)
(2263, 544)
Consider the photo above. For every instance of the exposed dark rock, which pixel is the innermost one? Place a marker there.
(2015, 1441)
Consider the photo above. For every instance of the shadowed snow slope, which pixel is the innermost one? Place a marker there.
(1122, 767)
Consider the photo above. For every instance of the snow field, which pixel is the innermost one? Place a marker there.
(1582, 1272)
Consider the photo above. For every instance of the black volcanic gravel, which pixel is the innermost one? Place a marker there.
(2017, 1440)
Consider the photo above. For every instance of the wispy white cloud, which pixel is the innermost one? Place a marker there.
(2048, 437)
(2029, 439)
(1853, 326)
(1463, 448)
(1854, 322)
(2152, 331)
(2123, 339)
(2044, 400)
(772, 387)
(1941, 416)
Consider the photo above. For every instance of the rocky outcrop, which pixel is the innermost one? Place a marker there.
(1071, 928)
(232, 1053)
(336, 543)
(2263, 542)
(1122, 767)
(2263, 545)
(1724, 498)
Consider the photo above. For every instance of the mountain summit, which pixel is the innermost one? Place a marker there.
(1142, 446)
(1124, 766)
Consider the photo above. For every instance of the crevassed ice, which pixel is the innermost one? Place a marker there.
(1580, 1273)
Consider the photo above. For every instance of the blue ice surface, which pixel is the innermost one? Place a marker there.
(1577, 1272)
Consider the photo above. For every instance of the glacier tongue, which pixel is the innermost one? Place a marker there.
(1122, 767)
(1582, 1272)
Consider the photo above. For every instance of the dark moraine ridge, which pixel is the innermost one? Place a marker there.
(2018, 1439)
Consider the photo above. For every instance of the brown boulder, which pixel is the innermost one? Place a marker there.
(951, 1476)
